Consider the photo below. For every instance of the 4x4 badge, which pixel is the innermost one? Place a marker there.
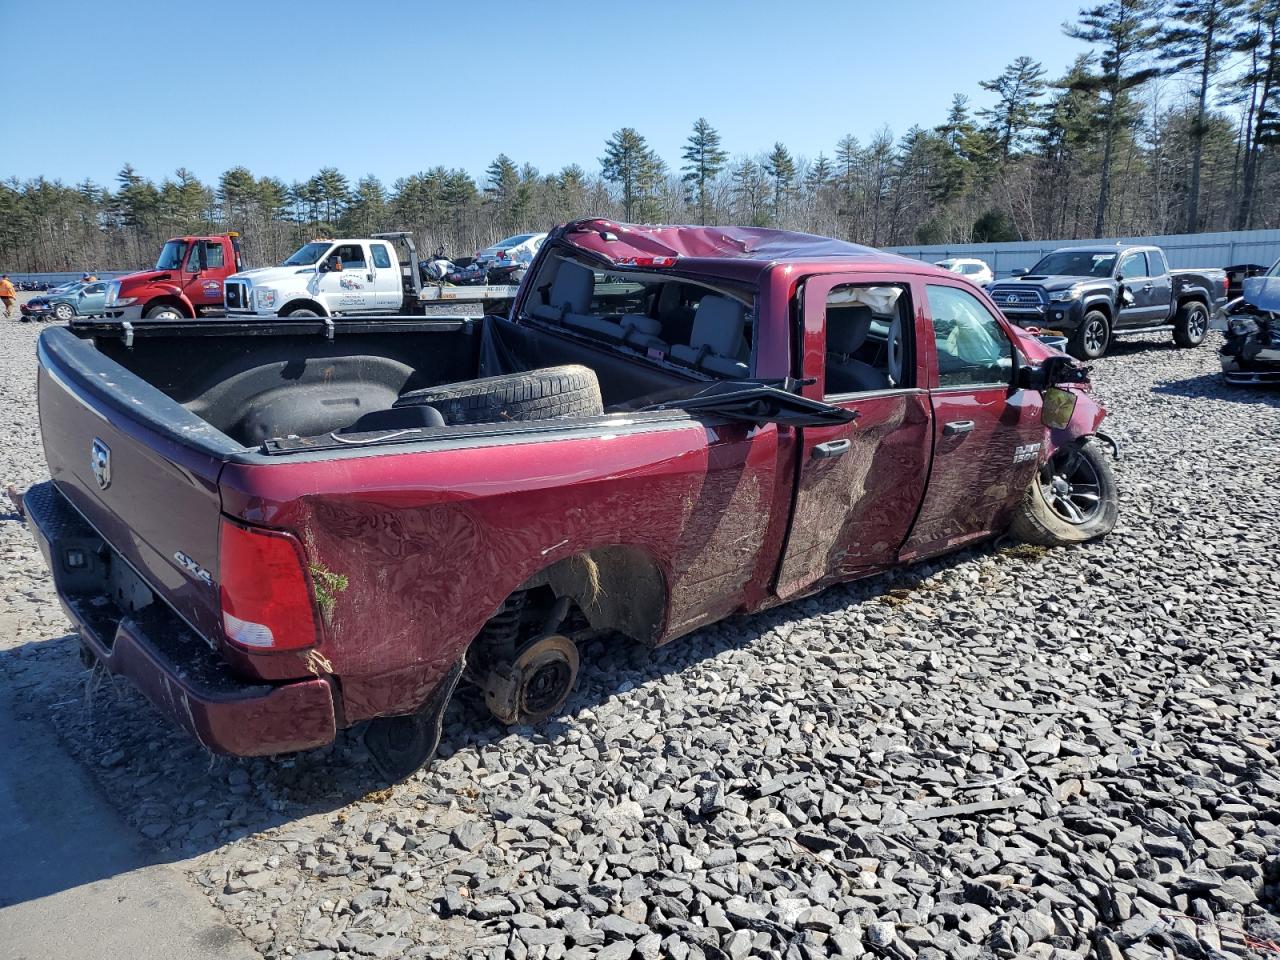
(100, 461)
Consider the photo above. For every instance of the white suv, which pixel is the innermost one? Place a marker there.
(975, 271)
(323, 278)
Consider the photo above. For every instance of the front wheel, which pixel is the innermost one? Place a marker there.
(1073, 498)
(1191, 325)
(1092, 337)
(64, 312)
(164, 311)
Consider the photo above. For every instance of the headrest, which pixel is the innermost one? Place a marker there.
(571, 290)
(847, 327)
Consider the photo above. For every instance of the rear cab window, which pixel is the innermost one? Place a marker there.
(704, 326)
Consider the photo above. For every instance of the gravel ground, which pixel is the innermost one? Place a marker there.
(1012, 752)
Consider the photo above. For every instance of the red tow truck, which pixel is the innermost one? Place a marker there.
(186, 282)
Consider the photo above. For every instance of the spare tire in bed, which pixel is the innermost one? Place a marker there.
(545, 394)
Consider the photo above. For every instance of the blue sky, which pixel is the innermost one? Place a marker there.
(392, 88)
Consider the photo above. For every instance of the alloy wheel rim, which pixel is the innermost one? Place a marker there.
(1073, 489)
(1094, 336)
(1196, 323)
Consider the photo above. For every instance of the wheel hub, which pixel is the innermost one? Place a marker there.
(1073, 489)
(536, 684)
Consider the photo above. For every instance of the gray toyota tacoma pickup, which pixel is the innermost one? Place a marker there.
(1094, 294)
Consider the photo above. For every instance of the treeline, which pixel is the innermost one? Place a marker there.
(1167, 122)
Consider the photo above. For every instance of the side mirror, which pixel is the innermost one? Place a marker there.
(323, 266)
(1018, 272)
(1050, 372)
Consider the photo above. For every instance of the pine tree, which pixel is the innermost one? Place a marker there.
(1126, 31)
(502, 178)
(704, 159)
(1261, 82)
(1197, 40)
(820, 174)
(781, 169)
(630, 164)
(1019, 89)
(334, 192)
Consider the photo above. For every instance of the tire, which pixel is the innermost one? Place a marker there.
(64, 312)
(1091, 338)
(1044, 514)
(546, 394)
(165, 311)
(1191, 324)
(304, 313)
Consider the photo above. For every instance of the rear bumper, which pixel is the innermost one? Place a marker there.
(167, 661)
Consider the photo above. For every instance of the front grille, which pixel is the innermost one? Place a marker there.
(1017, 298)
(235, 296)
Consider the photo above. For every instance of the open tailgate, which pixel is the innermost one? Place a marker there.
(139, 468)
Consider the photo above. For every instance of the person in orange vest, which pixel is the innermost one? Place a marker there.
(7, 294)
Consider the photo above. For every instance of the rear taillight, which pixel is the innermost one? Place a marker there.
(266, 593)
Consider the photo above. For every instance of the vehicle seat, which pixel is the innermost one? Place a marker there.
(643, 332)
(847, 330)
(570, 293)
(397, 418)
(676, 317)
(717, 343)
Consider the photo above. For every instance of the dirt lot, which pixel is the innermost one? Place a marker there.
(1012, 752)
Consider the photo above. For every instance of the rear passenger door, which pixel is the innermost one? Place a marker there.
(1161, 293)
(860, 483)
(986, 435)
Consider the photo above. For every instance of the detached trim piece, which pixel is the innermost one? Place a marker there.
(1110, 441)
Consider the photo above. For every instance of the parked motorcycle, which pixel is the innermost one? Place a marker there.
(1251, 354)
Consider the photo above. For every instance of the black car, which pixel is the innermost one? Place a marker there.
(1093, 294)
(1251, 354)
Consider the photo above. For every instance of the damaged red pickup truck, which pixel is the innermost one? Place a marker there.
(279, 530)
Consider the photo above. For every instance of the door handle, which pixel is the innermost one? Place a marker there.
(1147, 286)
(956, 427)
(832, 448)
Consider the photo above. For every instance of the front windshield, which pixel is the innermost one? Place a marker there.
(514, 241)
(1275, 270)
(1075, 263)
(172, 255)
(307, 255)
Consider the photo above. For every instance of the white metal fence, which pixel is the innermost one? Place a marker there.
(1183, 249)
